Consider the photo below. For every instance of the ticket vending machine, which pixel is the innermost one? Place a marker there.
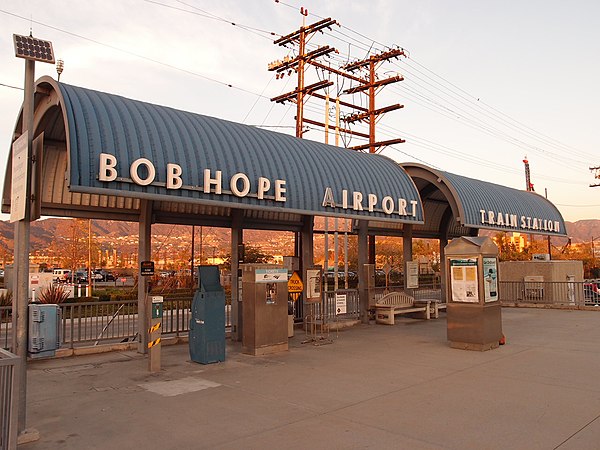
(473, 306)
(207, 324)
(265, 309)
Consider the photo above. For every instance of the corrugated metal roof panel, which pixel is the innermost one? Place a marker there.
(480, 204)
(128, 129)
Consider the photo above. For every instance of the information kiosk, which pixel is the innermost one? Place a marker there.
(473, 311)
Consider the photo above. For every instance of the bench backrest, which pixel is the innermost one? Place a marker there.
(396, 299)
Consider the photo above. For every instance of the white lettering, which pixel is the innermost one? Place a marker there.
(133, 172)
(387, 204)
(280, 191)
(216, 182)
(513, 220)
(414, 207)
(344, 199)
(491, 217)
(402, 207)
(107, 167)
(174, 172)
(482, 211)
(523, 222)
(372, 202)
(556, 226)
(357, 201)
(234, 184)
(264, 184)
(328, 198)
(500, 220)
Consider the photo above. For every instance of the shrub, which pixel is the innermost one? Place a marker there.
(53, 294)
(6, 298)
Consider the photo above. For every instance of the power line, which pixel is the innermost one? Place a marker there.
(12, 87)
(128, 52)
(209, 15)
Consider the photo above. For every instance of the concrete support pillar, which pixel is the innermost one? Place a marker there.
(144, 254)
(363, 258)
(407, 250)
(237, 239)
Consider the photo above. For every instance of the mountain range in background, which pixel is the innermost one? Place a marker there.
(43, 232)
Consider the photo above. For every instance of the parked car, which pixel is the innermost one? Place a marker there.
(591, 293)
(61, 275)
(80, 277)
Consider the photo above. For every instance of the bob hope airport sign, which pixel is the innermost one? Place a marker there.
(143, 173)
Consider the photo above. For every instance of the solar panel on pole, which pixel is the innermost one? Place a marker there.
(32, 48)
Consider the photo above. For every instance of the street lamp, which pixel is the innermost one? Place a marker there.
(31, 49)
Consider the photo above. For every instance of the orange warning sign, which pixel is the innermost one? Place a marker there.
(295, 283)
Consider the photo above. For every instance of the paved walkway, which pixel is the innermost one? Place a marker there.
(375, 386)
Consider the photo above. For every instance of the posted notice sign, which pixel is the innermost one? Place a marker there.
(147, 268)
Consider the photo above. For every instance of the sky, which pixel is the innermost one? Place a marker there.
(485, 83)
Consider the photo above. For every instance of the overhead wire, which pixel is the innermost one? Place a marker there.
(128, 52)
(247, 28)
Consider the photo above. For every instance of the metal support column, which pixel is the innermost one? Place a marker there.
(144, 254)
(363, 258)
(307, 237)
(237, 239)
(407, 250)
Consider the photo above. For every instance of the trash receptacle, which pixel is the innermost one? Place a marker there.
(207, 324)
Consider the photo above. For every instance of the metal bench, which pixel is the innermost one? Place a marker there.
(395, 303)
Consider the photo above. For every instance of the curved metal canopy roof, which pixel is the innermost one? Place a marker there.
(97, 137)
(460, 204)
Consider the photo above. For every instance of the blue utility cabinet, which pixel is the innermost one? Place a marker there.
(44, 330)
(207, 324)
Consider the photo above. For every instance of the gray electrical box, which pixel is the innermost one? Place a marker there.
(44, 330)
(207, 324)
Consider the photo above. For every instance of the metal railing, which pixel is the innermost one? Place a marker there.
(117, 321)
(423, 292)
(9, 401)
(5, 327)
(574, 293)
(346, 297)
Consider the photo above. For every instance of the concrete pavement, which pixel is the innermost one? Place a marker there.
(375, 386)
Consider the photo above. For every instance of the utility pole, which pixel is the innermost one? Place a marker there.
(298, 65)
(370, 87)
(596, 171)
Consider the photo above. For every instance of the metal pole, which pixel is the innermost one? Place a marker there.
(335, 255)
(88, 289)
(326, 251)
(300, 95)
(327, 118)
(192, 259)
(346, 253)
(21, 273)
